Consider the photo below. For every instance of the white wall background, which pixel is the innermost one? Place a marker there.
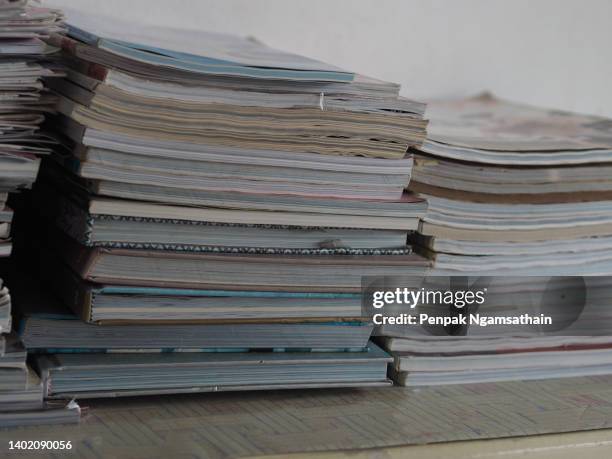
(554, 53)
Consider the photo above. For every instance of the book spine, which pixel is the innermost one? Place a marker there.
(70, 128)
(74, 292)
(81, 259)
(60, 210)
(66, 106)
(72, 91)
(83, 302)
(85, 237)
(73, 48)
(42, 365)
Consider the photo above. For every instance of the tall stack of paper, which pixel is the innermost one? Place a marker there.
(214, 194)
(24, 101)
(514, 191)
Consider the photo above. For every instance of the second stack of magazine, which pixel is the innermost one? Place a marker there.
(521, 193)
(216, 204)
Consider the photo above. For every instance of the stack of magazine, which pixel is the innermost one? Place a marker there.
(23, 104)
(514, 190)
(529, 327)
(221, 200)
(23, 99)
(21, 389)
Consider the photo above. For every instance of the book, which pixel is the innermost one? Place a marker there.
(23, 399)
(14, 354)
(192, 51)
(114, 375)
(53, 414)
(339, 273)
(65, 333)
(354, 212)
(454, 345)
(136, 304)
(86, 74)
(468, 377)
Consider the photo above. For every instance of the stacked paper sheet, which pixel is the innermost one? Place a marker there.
(213, 194)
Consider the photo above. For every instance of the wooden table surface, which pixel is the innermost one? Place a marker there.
(220, 425)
